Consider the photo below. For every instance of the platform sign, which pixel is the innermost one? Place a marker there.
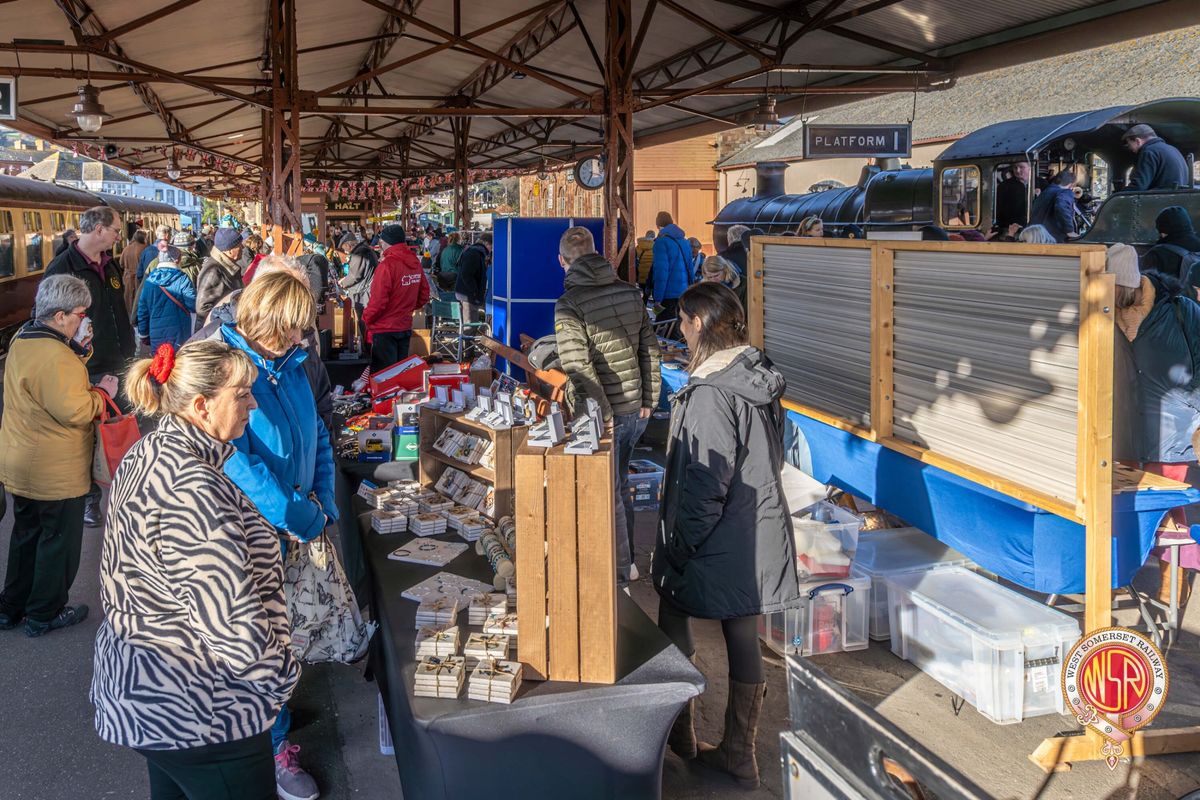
(857, 141)
(8, 98)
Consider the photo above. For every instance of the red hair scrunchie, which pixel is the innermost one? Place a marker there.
(162, 363)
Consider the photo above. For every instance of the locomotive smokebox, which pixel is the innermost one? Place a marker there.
(769, 175)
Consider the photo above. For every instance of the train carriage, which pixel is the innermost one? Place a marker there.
(33, 217)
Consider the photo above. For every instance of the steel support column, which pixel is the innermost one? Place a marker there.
(283, 125)
(618, 136)
(462, 177)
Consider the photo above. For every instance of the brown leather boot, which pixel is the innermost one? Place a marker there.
(735, 753)
(682, 740)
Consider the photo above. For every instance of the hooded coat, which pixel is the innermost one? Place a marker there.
(165, 306)
(672, 271)
(284, 460)
(725, 547)
(644, 256)
(1054, 208)
(605, 342)
(1166, 361)
(218, 277)
(398, 289)
(1178, 238)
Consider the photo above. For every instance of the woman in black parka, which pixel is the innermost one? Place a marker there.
(725, 548)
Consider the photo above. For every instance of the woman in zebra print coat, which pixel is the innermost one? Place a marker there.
(193, 660)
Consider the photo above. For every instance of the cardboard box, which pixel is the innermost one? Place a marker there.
(406, 375)
(406, 444)
(375, 445)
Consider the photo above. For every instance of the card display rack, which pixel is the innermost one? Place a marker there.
(504, 446)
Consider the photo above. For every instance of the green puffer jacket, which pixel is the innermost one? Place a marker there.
(605, 341)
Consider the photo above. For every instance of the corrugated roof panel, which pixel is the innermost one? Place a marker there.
(817, 325)
(979, 381)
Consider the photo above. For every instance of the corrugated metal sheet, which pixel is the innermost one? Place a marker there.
(817, 325)
(986, 362)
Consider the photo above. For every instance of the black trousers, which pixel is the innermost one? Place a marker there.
(239, 770)
(388, 348)
(741, 640)
(671, 311)
(43, 557)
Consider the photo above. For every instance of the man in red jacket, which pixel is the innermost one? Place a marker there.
(399, 289)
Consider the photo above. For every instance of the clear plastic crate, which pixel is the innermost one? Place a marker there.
(885, 553)
(826, 540)
(831, 618)
(996, 648)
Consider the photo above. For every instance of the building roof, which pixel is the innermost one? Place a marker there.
(15, 156)
(1135, 72)
(64, 168)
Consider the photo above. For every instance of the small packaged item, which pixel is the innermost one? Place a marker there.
(484, 605)
(504, 624)
(431, 524)
(485, 645)
(439, 610)
(388, 521)
(437, 640)
(495, 681)
(440, 677)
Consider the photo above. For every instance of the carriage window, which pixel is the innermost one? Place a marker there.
(7, 268)
(35, 239)
(960, 197)
(58, 224)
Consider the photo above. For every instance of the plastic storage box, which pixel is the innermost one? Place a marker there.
(996, 648)
(645, 484)
(831, 618)
(892, 552)
(826, 540)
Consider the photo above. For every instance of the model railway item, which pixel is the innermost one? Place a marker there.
(440, 677)
(445, 584)
(438, 610)
(484, 605)
(566, 564)
(831, 618)
(389, 522)
(826, 540)
(585, 431)
(430, 552)
(495, 681)
(486, 645)
(437, 640)
(883, 554)
(999, 650)
(550, 431)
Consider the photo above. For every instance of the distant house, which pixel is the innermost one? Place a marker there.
(1135, 71)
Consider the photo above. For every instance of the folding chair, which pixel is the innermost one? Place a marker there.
(450, 335)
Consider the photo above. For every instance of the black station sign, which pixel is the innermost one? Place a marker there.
(857, 141)
(8, 98)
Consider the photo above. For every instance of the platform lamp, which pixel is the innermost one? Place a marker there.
(173, 171)
(89, 114)
(766, 118)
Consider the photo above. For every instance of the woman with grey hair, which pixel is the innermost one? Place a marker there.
(46, 455)
(1036, 234)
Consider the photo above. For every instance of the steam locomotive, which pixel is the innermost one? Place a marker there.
(958, 192)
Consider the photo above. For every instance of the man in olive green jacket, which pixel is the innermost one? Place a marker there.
(610, 354)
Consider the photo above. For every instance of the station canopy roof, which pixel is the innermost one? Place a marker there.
(383, 83)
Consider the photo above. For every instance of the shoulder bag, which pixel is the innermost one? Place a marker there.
(326, 622)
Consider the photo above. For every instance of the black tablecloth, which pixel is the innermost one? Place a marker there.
(556, 739)
(347, 478)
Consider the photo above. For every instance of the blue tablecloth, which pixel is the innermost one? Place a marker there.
(674, 378)
(1028, 546)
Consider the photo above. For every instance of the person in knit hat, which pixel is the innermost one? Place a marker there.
(1162, 325)
(166, 303)
(1176, 238)
(398, 289)
(220, 273)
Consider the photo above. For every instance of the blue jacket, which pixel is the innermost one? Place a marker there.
(672, 270)
(158, 318)
(148, 255)
(1055, 209)
(284, 460)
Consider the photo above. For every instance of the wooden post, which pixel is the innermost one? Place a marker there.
(562, 553)
(618, 137)
(596, 524)
(882, 340)
(1094, 485)
(530, 518)
(754, 294)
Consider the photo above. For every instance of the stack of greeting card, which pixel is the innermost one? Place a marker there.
(484, 605)
(495, 681)
(485, 645)
(440, 677)
(388, 521)
(438, 610)
(437, 640)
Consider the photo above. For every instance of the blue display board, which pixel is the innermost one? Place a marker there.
(525, 279)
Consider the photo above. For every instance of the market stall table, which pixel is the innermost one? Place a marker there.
(348, 476)
(556, 739)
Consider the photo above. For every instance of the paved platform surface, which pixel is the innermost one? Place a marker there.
(50, 751)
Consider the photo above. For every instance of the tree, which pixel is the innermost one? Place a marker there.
(210, 212)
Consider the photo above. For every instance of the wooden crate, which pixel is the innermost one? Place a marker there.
(566, 564)
(506, 443)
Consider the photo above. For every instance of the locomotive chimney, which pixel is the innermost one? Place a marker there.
(769, 175)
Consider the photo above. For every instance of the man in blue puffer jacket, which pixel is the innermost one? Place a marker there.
(672, 269)
(166, 303)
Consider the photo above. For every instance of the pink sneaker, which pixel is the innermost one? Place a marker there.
(291, 781)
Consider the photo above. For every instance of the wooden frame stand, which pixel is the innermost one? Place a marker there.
(566, 564)
(505, 444)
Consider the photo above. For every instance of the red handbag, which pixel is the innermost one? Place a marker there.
(115, 434)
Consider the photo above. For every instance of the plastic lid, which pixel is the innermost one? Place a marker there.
(991, 611)
(888, 552)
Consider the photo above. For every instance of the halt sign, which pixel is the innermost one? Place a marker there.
(857, 141)
(8, 98)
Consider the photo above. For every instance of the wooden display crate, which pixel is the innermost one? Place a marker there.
(566, 564)
(506, 443)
